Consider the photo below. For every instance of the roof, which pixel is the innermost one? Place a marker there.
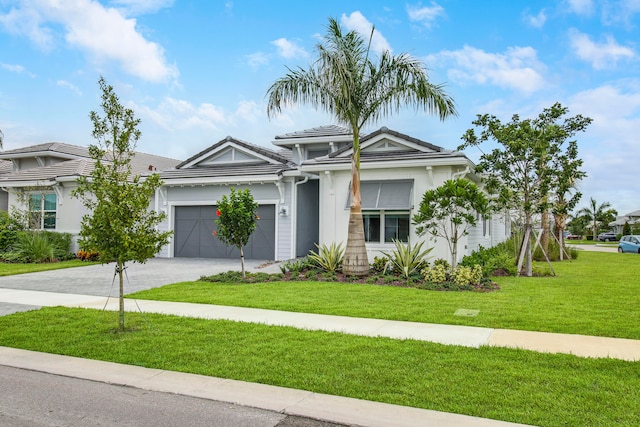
(76, 167)
(274, 155)
(320, 131)
(230, 171)
(65, 150)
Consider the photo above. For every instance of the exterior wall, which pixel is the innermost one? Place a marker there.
(170, 197)
(334, 217)
(334, 193)
(69, 211)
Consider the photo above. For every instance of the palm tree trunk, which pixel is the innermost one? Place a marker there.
(545, 225)
(356, 262)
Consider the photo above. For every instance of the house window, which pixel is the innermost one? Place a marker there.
(396, 227)
(42, 211)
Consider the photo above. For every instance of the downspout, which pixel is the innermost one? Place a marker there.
(294, 217)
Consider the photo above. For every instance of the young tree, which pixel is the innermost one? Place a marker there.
(237, 220)
(596, 214)
(626, 229)
(345, 82)
(521, 172)
(449, 211)
(120, 225)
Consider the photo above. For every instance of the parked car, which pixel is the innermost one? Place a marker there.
(573, 237)
(609, 236)
(629, 244)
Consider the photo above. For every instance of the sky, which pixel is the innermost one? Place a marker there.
(195, 72)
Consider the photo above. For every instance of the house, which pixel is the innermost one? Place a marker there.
(302, 189)
(632, 218)
(5, 167)
(40, 179)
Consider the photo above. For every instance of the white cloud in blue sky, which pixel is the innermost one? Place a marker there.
(195, 72)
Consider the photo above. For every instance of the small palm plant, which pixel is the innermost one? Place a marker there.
(407, 259)
(328, 258)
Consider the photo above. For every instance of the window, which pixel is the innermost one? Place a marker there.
(396, 227)
(42, 211)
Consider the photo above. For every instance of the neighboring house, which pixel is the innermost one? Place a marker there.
(633, 218)
(303, 193)
(43, 176)
(5, 167)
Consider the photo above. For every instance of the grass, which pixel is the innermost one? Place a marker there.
(8, 269)
(597, 294)
(506, 384)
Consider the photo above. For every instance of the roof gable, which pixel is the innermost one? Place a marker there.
(233, 152)
(384, 141)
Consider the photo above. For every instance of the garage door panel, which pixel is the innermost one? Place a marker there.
(194, 226)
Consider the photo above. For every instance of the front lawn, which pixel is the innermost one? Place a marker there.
(8, 269)
(597, 294)
(506, 384)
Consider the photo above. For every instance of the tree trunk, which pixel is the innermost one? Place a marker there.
(242, 261)
(120, 268)
(356, 262)
(545, 224)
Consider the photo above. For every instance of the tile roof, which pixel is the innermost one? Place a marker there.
(224, 171)
(328, 130)
(76, 167)
(53, 147)
(275, 155)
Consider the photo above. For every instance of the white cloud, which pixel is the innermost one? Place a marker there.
(580, 7)
(288, 49)
(358, 23)
(104, 34)
(257, 59)
(536, 21)
(13, 68)
(600, 55)
(178, 115)
(424, 14)
(518, 68)
(71, 87)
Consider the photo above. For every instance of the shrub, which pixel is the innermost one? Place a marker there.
(328, 258)
(468, 275)
(31, 246)
(295, 266)
(61, 244)
(379, 265)
(439, 273)
(406, 259)
(89, 255)
(496, 260)
(9, 228)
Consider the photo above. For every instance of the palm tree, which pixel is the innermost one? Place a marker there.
(593, 214)
(1, 139)
(346, 83)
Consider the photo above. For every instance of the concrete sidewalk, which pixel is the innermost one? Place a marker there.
(468, 336)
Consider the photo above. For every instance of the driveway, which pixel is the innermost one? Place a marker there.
(99, 279)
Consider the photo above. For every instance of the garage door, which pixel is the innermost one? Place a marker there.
(193, 234)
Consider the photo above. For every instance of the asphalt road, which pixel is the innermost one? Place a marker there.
(36, 399)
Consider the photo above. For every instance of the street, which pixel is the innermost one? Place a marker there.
(32, 398)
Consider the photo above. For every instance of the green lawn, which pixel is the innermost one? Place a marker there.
(512, 385)
(8, 269)
(597, 294)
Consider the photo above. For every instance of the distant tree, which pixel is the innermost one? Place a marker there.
(237, 220)
(449, 211)
(347, 83)
(596, 214)
(1, 139)
(120, 225)
(626, 229)
(521, 172)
